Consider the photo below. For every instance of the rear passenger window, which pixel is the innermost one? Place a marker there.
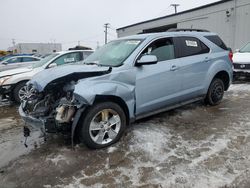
(216, 40)
(188, 46)
(163, 49)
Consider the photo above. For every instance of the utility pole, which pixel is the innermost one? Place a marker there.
(175, 7)
(97, 45)
(14, 43)
(234, 24)
(106, 26)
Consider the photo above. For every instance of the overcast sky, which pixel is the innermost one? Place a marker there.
(70, 21)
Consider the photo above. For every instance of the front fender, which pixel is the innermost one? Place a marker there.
(88, 90)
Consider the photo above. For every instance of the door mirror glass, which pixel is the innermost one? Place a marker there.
(52, 65)
(147, 60)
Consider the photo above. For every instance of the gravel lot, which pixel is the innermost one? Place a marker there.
(193, 146)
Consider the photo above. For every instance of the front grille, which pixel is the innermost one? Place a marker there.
(241, 66)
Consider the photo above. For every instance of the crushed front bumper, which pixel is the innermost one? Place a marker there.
(31, 121)
(46, 124)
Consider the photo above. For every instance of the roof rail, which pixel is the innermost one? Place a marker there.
(177, 30)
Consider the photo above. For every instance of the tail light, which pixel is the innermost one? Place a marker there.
(230, 55)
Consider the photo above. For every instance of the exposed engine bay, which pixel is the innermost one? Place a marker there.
(59, 100)
(56, 105)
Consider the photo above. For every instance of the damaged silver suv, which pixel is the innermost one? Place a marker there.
(125, 80)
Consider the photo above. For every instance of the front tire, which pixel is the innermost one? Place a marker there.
(215, 92)
(103, 125)
(16, 92)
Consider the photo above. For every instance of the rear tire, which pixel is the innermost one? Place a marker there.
(16, 92)
(103, 125)
(215, 92)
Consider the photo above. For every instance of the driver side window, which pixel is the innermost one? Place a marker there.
(163, 49)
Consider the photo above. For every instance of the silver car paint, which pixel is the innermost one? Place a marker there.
(133, 83)
(41, 79)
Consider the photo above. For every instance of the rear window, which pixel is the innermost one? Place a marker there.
(216, 40)
(189, 46)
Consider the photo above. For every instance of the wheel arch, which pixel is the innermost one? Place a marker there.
(15, 85)
(115, 99)
(224, 76)
(21, 81)
(98, 99)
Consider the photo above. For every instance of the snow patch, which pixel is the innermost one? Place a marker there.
(239, 87)
(111, 149)
(57, 159)
(47, 186)
(218, 145)
(151, 141)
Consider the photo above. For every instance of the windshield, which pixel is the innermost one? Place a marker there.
(44, 61)
(246, 48)
(114, 53)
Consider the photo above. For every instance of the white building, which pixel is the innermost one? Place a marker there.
(36, 48)
(229, 18)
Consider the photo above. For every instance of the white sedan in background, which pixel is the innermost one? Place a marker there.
(17, 62)
(241, 62)
(12, 82)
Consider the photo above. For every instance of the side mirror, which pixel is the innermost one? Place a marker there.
(237, 50)
(52, 65)
(5, 63)
(147, 60)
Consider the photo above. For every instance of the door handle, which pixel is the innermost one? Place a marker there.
(207, 59)
(173, 68)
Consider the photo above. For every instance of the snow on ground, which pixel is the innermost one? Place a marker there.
(56, 159)
(159, 156)
(239, 87)
(12, 139)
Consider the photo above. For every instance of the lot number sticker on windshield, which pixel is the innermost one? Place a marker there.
(68, 60)
(191, 43)
(133, 42)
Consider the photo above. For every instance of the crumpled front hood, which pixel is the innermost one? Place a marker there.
(15, 71)
(65, 74)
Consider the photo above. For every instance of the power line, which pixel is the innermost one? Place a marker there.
(110, 34)
(83, 40)
(163, 11)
